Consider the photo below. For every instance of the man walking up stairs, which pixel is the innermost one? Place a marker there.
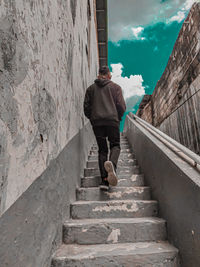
(104, 106)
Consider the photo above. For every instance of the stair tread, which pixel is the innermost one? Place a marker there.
(126, 201)
(118, 192)
(129, 175)
(80, 222)
(78, 252)
(120, 167)
(117, 188)
(120, 160)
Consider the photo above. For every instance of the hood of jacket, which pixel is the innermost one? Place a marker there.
(102, 82)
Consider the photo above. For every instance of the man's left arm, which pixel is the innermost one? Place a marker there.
(87, 104)
(120, 105)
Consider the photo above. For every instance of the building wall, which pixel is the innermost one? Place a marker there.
(184, 124)
(48, 57)
(147, 112)
(179, 82)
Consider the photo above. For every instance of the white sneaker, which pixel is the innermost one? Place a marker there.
(112, 177)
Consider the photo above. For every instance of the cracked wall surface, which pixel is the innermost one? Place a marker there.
(44, 72)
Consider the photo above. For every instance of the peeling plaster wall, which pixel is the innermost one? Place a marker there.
(48, 57)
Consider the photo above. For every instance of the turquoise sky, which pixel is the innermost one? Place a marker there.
(146, 58)
(141, 39)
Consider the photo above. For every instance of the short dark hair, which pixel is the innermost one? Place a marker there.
(104, 70)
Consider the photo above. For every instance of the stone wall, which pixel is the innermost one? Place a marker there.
(171, 110)
(145, 109)
(48, 57)
(183, 125)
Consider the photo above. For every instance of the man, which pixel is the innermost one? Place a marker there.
(104, 106)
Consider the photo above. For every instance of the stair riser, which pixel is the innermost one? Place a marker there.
(137, 180)
(127, 193)
(101, 210)
(165, 259)
(120, 171)
(130, 163)
(113, 233)
(91, 182)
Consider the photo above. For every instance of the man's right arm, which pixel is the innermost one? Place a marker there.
(87, 104)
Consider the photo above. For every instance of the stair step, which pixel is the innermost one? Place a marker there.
(144, 254)
(114, 209)
(121, 163)
(90, 194)
(123, 151)
(123, 156)
(121, 170)
(123, 181)
(123, 146)
(106, 231)
(124, 141)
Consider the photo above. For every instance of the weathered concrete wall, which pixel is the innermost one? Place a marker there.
(175, 184)
(31, 229)
(145, 109)
(48, 57)
(184, 124)
(179, 82)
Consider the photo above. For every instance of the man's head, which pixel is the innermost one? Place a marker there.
(104, 73)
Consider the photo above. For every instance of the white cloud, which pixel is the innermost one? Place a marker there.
(189, 3)
(132, 86)
(129, 14)
(179, 17)
(127, 33)
(137, 32)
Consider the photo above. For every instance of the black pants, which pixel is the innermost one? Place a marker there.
(113, 134)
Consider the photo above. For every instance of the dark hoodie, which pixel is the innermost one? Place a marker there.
(104, 103)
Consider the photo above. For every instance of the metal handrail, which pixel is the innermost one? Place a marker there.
(177, 145)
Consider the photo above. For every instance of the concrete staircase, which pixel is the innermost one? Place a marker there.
(115, 228)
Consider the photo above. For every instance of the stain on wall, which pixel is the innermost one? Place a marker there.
(73, 5)
(44, 73)
(44, 112)
(4, 164)
(13, 69)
